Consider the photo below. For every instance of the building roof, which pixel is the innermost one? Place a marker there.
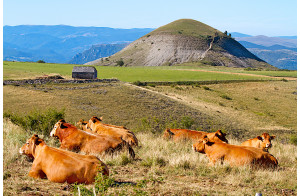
(84, 69)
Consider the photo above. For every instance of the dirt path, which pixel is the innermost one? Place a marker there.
(242, 74)
(210, 45)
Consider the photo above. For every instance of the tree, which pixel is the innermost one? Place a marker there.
(41, 61)
(120, 62)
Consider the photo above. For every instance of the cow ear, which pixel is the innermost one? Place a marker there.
(273, 137)
(36, 139)
(62, 126)
(94, 119)
(259, 137)
(170, 132)
(62, 120)
(205, 140)
(220, 133)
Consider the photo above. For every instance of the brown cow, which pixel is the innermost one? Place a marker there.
(233, 154)
(263, 142)
(97, 126)
(182, 134)
(59, 165)
(75, 139)
(83, 125)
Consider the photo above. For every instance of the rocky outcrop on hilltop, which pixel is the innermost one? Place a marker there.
(185, 41)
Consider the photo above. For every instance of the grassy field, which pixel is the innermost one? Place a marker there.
(21, 70)
(162, 168)
(242, 110)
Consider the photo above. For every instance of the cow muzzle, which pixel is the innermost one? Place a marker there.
(52, 133)
(268, 145)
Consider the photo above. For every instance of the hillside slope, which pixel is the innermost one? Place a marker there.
(184, 41)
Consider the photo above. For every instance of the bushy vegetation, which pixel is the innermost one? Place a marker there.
(40, 122)
(158, 125)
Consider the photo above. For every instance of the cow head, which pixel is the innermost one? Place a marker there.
(30, 146)
(168, 134)
(217, 136)
(200, 145)
(57, 126)
(83, 125)
(92, 122)
(96, 119)
(265, 141)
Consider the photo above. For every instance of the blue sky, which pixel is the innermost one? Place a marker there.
(254, 17)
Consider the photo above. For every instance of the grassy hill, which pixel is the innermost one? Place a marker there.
(183, 41)
(186, 27)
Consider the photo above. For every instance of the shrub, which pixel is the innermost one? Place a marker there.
(187, 122)
(41, 61)
(101, 185)
(151, 85)
(37, 121)
(139, 83)
(206, 88)
(226, 97)
(293, 139)
(120, 62)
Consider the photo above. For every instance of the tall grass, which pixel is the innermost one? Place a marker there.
(40, 122)
(13, 138)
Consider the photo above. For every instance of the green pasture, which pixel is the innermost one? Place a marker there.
(25, 70)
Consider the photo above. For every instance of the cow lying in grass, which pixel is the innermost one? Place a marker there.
(186, 134)
(75, 139)
(97, 126)
(263, 142)
(233, 154)
(59, 165)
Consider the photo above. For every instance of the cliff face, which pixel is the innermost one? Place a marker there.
(185, 41)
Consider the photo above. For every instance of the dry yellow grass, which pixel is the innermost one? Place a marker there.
(254, 106)
(162, 167)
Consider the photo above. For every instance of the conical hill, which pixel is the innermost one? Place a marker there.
(184, 41)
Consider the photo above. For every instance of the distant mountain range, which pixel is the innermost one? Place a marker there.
(59, 44)
(78, 45)
(278, 51)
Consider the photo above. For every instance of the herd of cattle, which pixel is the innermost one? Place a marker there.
(93, 137)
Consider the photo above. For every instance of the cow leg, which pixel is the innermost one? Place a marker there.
(37, 174)
(36, 171)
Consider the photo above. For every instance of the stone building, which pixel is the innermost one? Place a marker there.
(84, 72)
